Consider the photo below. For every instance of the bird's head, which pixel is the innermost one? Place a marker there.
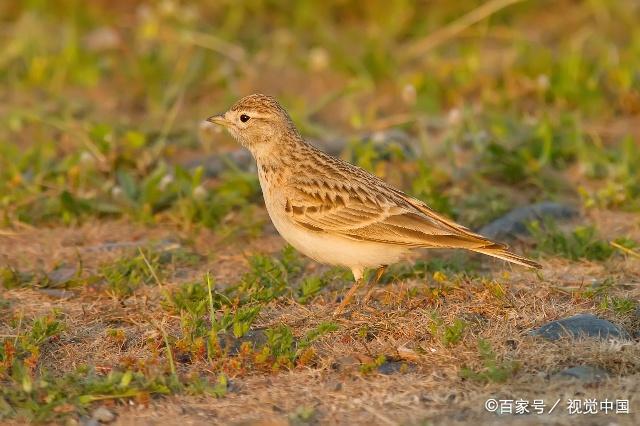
(258, 122)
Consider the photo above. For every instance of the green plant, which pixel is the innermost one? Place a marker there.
(448, 334)
(492, 369)
(369, 367)
(128, 273)
(310, 287)
(282, 349)
(580, 243)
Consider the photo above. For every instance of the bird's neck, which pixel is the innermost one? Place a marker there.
(287, 149)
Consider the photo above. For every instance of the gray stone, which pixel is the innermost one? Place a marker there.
(585, 373)
(103, 415)
(61, 275)
(514, 224)
(392, 367)
(56, 293)
(581, 325)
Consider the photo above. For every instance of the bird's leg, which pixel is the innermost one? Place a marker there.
(348, 296)
(373, 283)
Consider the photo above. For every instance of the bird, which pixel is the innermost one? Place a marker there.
(335, 212)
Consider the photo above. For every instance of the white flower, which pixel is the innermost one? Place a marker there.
(165, 181)
(200, 193)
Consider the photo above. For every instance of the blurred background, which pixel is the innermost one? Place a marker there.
(475, 107)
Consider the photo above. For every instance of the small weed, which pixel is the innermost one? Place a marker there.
(580, 243)
(128, 273)
(449, 335)
(191, 297)
(492, 369)
(302, 415)
(428, 186)
(200, 386)
(268, 278)
(619, 305)
(310, 287)
(369, 367)
(283, 350)
(13, 278)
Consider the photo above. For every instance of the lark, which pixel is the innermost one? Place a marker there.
(334, 212)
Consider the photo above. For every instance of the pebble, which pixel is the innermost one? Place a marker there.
(103, 415)
(392, 367)
(581, 325)
(585, 373)
(61, 275)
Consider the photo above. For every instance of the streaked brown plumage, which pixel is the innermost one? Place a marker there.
(333, 211)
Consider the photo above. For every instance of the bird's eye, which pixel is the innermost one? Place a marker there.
(244, 118)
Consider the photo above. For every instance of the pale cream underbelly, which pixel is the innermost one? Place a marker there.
(333, 249)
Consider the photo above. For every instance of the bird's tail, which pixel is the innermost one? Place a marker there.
(499, 251)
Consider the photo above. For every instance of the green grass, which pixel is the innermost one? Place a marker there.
(582, 242)
(492, 369)
(449, 335)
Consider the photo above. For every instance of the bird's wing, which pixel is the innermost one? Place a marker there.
(373, 211)
(377, 214)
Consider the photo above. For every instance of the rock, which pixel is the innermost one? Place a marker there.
(514, 224)
(103, 415)
(636, 322)
(89, 422)
(61, 275)
(583, 372)
(56, 293)
(581, 325)
(392, 367)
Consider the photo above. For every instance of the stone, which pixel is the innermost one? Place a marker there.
(585, 373)
(103, 415)
(61, 275)
(581, 325)
(392, 367)
(514, 224)
(56, 293)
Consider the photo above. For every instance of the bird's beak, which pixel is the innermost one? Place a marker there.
(219, 119)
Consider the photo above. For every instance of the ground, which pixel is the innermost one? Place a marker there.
(141, 281)
(334, 387)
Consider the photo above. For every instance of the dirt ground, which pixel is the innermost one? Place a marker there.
(426, 389)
